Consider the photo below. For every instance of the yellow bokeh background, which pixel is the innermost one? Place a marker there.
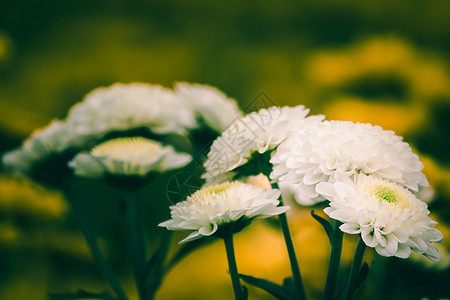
(372, 61)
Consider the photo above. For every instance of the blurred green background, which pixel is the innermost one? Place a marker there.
(378, 61)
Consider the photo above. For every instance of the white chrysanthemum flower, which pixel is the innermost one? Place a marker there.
(210, 209)
(127, 157)
(213, 107)
(320, 152)
(387, 215)
(39, 146)
(256, 132)
(128, 106)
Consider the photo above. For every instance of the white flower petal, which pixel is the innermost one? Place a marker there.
(432, 253)
(208, 230)
(368, 237)
(351, 228)
(389, 249)
(403, 251)
(86, 165)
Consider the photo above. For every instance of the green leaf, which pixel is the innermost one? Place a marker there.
(326, 225)
(276, 290)
(363, 273)
(244, 293)
(150, 265)
(258, 163)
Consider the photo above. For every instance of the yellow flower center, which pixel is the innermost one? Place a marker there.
(218, 188)
(126, 149)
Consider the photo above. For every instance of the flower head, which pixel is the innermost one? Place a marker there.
(127, 157)
(211, 106)
(210, 209)
(39, 146)
(256, 132)
(388, 216)
(128, 106)
(321, 152)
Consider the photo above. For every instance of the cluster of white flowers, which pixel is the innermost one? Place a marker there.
(366, 173)
(124, 107)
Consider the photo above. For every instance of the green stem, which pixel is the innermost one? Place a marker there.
(356, 268)
(135, 240)
(104, 267)
(155, 275)
(301, 293)
(335, 259)
(292, 256)
(228, 239)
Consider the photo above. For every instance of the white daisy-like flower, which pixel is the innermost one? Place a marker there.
(387, 215)
(39, 146)
(134, 156)
(211, 209)
(320, 152)
(211, 106)
(127, 106)
(256, 132)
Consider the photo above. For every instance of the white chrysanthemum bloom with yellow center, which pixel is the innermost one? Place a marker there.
(320, 152)
(387, 215)
(39, 146)
(211, 106)
(126, 106)
(134, 156)
(256, 132)
(211, 209)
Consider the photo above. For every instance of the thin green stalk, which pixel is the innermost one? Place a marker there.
(292, 256)
(356, 268)
(335, 259)
(237, 288)
(155, 274)
(291, 252)
(135, 240)
(104, 267)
